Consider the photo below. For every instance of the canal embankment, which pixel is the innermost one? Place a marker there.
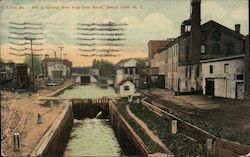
(56, 137)
(200, 140)
(54, 140)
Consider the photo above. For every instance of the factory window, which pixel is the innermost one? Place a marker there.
(239, 77)
(190, 71)
(186, 71)
(225, 68)
(187, 52)
(126, 87)
(216, 36)
(186, 83)
(136, 71)
(203, 49)
(216, 49)
(126, 70)
(230, 49)
(198, 71)
(211, 69)
(130, 70)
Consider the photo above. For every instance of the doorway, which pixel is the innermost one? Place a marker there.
(209, 87)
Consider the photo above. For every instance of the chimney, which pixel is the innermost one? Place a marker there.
(182, 29)
(237, 28)
(195, 38)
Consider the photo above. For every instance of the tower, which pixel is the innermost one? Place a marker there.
(195, 38)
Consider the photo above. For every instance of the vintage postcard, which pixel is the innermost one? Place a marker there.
(125, 78)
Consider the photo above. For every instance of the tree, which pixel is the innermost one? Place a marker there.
(37, 64)
(141, 62)
(105, 67)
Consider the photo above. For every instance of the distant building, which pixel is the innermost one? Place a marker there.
(7, 71)
(56, 69)
(224, 77)
(247, 68)
(126, 87)
(23, 77)
(127, 69)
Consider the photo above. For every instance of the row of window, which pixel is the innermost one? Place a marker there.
(211, 68)
(189, 71)
(131, 71)
(216, 48)
(215, 36)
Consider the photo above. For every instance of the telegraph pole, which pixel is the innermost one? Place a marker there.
(61, 47)
(32, 62)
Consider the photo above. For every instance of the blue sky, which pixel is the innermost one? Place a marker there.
(152, 20)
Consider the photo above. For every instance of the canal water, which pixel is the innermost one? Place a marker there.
(90, 91)
(92, 137)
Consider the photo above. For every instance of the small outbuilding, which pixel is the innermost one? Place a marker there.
(126, 87)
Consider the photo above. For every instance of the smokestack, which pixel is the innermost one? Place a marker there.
(237, 28)
(195, 43)
(182, 29)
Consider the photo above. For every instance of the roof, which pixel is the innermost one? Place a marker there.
(209, 23)
(223, 28)
(65, 61)
(123, 81)
(125, 60)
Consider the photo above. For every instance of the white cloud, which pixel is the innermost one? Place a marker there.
(212, 10)
(241, 13)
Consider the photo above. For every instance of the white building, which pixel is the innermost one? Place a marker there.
(57, 71)
(127, 69)
(223, 77)
(126, 87)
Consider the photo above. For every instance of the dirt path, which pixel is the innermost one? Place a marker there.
(147, 130)
(19, 115)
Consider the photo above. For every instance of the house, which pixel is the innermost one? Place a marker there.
(57, 71)
(127, 69)
(126, 87)
(223, 77)
(49, 61)
(6, 72)
(56, 68)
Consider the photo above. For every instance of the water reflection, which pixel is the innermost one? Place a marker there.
(92, 91)
(92, 137)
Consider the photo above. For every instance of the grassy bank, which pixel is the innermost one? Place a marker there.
(179, 144)
(151, 145)
(213, 128)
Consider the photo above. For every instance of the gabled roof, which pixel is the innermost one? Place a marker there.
(123, 81)
(223, 28)
(124, 61)
(207, 24)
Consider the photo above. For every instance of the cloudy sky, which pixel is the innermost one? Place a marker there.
(146, 19)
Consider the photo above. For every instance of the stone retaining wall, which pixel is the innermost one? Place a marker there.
(56, 137)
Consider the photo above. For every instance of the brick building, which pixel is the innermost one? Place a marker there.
(183, 72)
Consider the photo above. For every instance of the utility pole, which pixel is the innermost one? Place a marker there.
(61, 47)
(32, 62)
